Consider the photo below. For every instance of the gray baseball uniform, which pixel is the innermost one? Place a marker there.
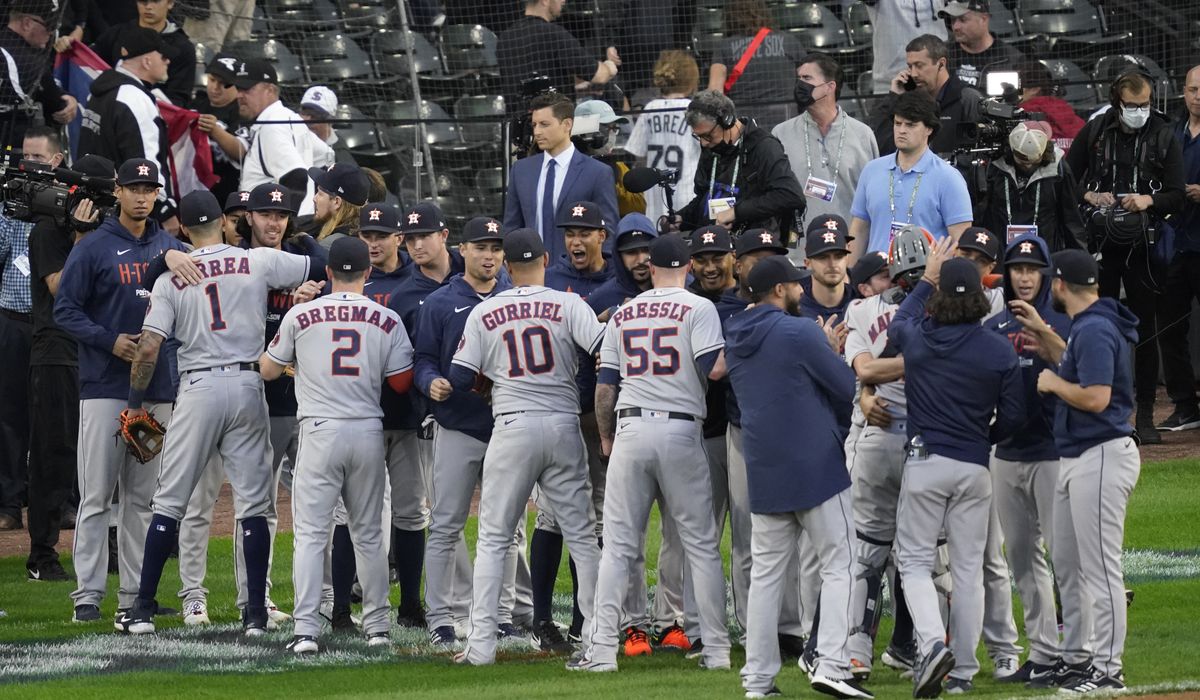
(343, 346)
(524, 340)
(654, 342)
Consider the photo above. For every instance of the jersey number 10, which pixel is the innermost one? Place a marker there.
(525, 359)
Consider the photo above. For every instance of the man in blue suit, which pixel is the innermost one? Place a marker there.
(559, 175)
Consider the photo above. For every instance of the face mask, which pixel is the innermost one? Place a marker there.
(803, 95)
(725, 149)
(1135, 117)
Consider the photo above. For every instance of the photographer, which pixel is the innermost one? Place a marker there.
(1131, 168)
(594, 131)
(1031, 189)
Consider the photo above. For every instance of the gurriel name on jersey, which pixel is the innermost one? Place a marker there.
(516, 312)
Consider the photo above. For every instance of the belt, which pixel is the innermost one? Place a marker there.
(243, 366)
(17, 315)
(637, 413)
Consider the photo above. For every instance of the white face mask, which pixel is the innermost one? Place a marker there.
(1135, 117)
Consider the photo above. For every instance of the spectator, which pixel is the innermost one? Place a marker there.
(228, 21)
(25, 73)
(534, 45)
(896, 23)
(929, 73)
(1031, 189)
(17, 330)
(1038, 95)
(743, 179)
(319, 102)
(539, 184)
(640, 29)
(220, 119)
(236, 206)
(755, 65)
(841, 144)
(975, 50)
(911, 186)
(661, 136)
(121, 120)
(594, 131)
(177, 48)
(341, 193)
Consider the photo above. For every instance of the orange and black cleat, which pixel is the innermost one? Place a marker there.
(636, 642)
(673, 637)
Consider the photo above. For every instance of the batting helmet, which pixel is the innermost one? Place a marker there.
(906, 257)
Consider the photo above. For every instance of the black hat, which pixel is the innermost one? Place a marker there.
(224, 66)
(379, 217)
(771, 271)
(255, 71)
(270, 197)
(94, 165)
(199, 207)
(959, 276)
(981, 239)
(867, 267)
(1025, 250)
(711, 239)
(958, 8)
(635, 231)
(669, 251)
(349, 254)
(1073, 265)
(827, 233)
(45, 9)
(580, 215)
(137, 171)
(345, 180)
(139, 41)
(425, 217)
(523, 245)
(759, 239)
(482, 228)
(237, 201)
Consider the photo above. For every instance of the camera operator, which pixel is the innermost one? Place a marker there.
(1031, 189)
(594, 131)
(1131, 168)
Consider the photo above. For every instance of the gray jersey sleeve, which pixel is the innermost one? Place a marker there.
(610, 347)
(585, 329)
(705, 328)
(400, 352)
(280, 270)
(160, 314)
(857, 324)
(282, 348)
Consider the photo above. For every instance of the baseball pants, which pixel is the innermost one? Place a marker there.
(999, 626)
(674, 601)
(1089, 531)
(284, 436)
(527, 448)
(937, 491)
(194, 532)
(830, 527)
(653, 454)
(406, 479)
(1023, 493)
(339, 458)
(53, 438)
(104, 465)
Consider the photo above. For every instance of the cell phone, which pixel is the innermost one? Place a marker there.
(910, 84)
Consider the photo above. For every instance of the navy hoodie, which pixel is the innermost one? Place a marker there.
(728, 305)
(956, 378)
(615, 290)
(1097, 353)
(1034, 441)
(439, 327)
(716, 398)
(809, 308)
(796, 409)
(101, 295)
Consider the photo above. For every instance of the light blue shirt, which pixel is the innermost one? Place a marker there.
(941, 199)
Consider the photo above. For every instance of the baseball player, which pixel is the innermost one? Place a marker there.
(1025, 467)
(462, 430)
(1099, 463)
(343, 346)
(235, 211)
(827, 291)
(220, 407)
(950, 432)
(100, 302)
(983, 248)
(660, 348)
(794, 489)
(525, 341)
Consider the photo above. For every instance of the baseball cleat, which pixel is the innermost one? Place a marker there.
(342, 620)
(443, 638)
(710, 665)
(958, 686)
(637, 643)
(696, 650)
(773, 692)
(131, 622)
(928, 675)
(1097, 682)
(791, 646)
(1005, 668)
(50, 571)
(860, 670)
(900, 658)
(808, 661)
(275, 615)
(1027, 671)
(303, 644)
(195, 612)
(410, 617)
(379, 639)
(254, 621)
(582, 662)
(547, 637)
(1062, 675)
(674, 637)
(840, 687)
(86, 612)
(507, 630)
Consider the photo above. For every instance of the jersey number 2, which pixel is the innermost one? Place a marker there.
(343, 352)
(214, 305)
(525, 359)
(666, 358)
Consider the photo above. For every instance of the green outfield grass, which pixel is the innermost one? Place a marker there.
(1163, 651)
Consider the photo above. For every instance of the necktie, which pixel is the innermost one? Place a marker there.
(548, 202)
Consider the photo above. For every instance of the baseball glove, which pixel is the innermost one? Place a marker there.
(143, 435)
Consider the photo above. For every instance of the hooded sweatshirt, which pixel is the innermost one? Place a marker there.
(617, 289)
(563, 276)
(797, 395)
(956, 378)
(810, 308)
(178, 49)
(1034, 441)
(1049, 198)
(1098, 350)
(718, 397)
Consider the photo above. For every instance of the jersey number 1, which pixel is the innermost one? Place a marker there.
(527, 354)
(214, 305)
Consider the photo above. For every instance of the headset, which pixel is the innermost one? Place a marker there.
(1114, 95)
(724, 118)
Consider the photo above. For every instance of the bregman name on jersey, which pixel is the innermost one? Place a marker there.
(650, 309)
(340, 313)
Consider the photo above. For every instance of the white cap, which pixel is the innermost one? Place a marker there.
(1029, 139)
(320, 98)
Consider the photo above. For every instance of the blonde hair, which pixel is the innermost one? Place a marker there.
(676, 71)
(346, 215)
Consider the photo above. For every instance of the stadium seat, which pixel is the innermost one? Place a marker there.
(368, 15)
(1003, 22)
(858, 24)
(469, 48)
(490, 180)
(815, 26)
(203, 56)
(298, 17)
(392, 55)
(363, 139)
(1065, 29)
(709, 21)
(1075, 86)
(1109, 67)
(480, 107)
(403, 135)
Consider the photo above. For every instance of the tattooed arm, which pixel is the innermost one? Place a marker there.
(145, 358)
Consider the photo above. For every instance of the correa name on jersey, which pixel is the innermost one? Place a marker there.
(651, 309)
(339, 313)
(216, 268)
(549, 311)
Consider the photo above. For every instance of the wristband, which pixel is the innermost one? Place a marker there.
(136, 398)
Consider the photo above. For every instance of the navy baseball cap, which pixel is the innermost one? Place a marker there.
(982, 240)
(580, 215)
(669, 251)
(1073, 265)
(270, 197)
(237, 201)
(255, 71)
(137, 171)
(774, 270)
(711, 239)
(959, 277)
(349, 254)
(759, 239)
(1026, 251)
(344, 180)
(425, 217)
(199, 207)
(139, 41)
(635, 231)
(867, 267)
(380, 217)
(482, 228)
(523, 245)
(825, 234)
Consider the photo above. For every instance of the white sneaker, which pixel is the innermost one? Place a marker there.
(195, 612)
(274, 614)
(302, 644)
(1005, 667)
(379, 639)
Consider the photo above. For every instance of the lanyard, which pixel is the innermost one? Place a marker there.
(1037, 200)
(737, 165)
(912, 201)
(824, 159)
(1137, 159)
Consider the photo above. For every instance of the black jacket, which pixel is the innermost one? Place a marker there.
(36, 80)
(1054, 191)
(180, 51)
(958, 104)
(768, 194)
